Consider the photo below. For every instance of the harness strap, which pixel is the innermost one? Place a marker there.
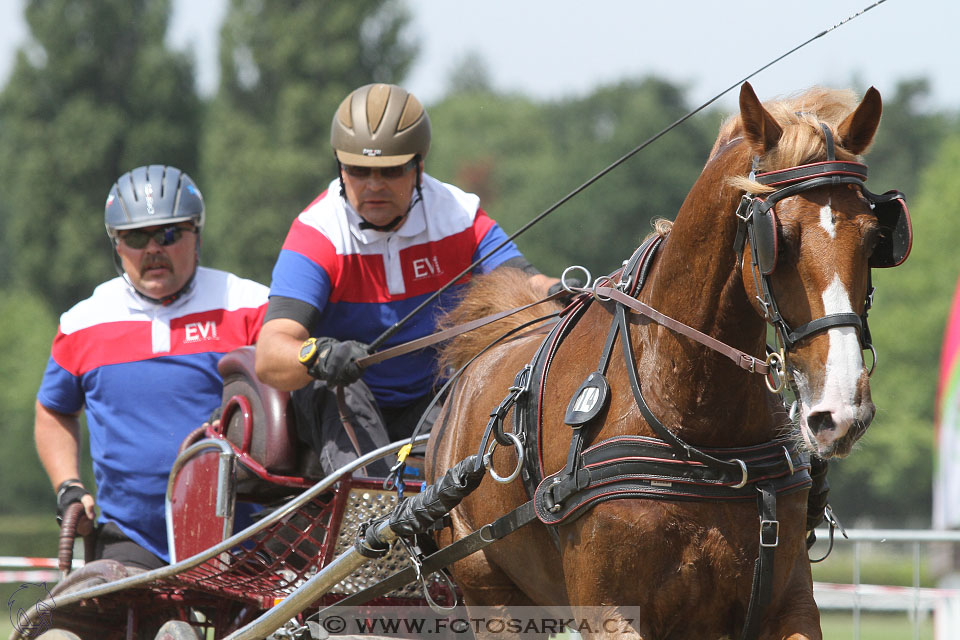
(499, 528)
(823, 323)
(814, 170)
(761, 591)
(576, 441)
(446, 334)
(741, 359)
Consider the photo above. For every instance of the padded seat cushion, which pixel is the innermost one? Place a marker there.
(273, 441)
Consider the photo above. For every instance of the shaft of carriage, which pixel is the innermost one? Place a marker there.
(414, 515)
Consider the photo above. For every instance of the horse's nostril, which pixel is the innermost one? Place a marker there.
(820, 420)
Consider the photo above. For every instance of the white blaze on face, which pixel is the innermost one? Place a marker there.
(826, 221)
(844, 362)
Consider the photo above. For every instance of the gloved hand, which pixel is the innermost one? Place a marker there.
(68, 492)
(573, 283)
(337, 361)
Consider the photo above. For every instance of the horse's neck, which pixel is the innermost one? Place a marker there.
(695, 281)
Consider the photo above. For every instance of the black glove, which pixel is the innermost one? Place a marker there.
(337, 361)
(573, 283)
(68, 492)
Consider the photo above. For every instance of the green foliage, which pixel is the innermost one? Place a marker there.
(521, 157)
(266, 151)
(28, 330)
(91, 96)
(893, 465)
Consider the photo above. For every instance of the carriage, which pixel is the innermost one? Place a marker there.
(653, 461)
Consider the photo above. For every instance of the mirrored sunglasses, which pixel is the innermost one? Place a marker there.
(396, 171)
(166, 236)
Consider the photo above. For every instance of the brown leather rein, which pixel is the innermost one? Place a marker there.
(743, 360)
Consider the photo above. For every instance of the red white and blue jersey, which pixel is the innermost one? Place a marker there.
(362, 281)
(146, 375)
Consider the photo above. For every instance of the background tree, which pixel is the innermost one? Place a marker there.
(93, 94)
(28, 327)
(521, 157)
(266, 153)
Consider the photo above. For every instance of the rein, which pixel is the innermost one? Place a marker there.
(616, 163)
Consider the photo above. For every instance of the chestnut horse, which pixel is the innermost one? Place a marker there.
(779, 227)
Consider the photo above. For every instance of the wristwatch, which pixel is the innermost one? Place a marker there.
(308, 352)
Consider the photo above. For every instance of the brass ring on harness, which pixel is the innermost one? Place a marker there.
(776, 362)
(602, 281)
(488, 459)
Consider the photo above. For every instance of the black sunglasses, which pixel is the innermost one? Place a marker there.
(396, 171)
(165, 236)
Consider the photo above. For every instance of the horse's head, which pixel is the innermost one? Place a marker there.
(809, 232)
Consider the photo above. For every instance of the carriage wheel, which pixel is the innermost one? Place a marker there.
(178, 630)
(59, 634)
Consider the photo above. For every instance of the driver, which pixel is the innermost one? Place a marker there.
(139, 357)
(376, 243)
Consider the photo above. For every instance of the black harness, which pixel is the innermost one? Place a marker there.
(665, 467)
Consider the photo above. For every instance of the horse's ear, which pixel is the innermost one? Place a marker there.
(856, 132)
(759, 127)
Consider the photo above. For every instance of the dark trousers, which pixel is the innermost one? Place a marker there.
(113, 544)
(319, 424)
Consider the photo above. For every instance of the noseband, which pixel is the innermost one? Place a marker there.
(756, 220)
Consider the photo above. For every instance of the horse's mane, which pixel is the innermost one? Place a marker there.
(802, 141)
(501, 289)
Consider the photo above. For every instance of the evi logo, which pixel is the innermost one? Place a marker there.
(200, 331)
(426, 267)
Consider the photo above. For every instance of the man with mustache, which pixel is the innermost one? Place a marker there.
(379, 241)
(139, 356)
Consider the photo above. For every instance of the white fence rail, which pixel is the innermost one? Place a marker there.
(918, 603)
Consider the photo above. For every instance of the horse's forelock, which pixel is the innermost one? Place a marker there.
(499, 290)
(802, 141)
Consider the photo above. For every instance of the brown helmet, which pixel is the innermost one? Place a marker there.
(380, 125)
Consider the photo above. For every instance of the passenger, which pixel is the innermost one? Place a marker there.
(140, 356)
(382, 238)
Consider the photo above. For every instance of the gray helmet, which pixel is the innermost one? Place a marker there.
(380, 125)
(152, 195)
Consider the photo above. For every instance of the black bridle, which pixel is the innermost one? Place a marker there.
(756, 220)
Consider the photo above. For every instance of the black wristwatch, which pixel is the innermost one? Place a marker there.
(308, 352)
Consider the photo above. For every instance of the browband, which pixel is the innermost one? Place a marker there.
(815, 170)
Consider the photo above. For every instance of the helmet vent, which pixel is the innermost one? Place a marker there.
(412, 112)
(377, 99)
(344, 115)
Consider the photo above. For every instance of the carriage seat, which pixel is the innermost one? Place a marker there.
(271, 440)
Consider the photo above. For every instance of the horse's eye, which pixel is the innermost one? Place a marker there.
(789, 243)
(871, 236)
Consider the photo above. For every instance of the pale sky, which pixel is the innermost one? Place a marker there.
(557, 48)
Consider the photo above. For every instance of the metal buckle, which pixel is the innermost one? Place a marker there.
(766, 527)
(745, 201)
(521, 383)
